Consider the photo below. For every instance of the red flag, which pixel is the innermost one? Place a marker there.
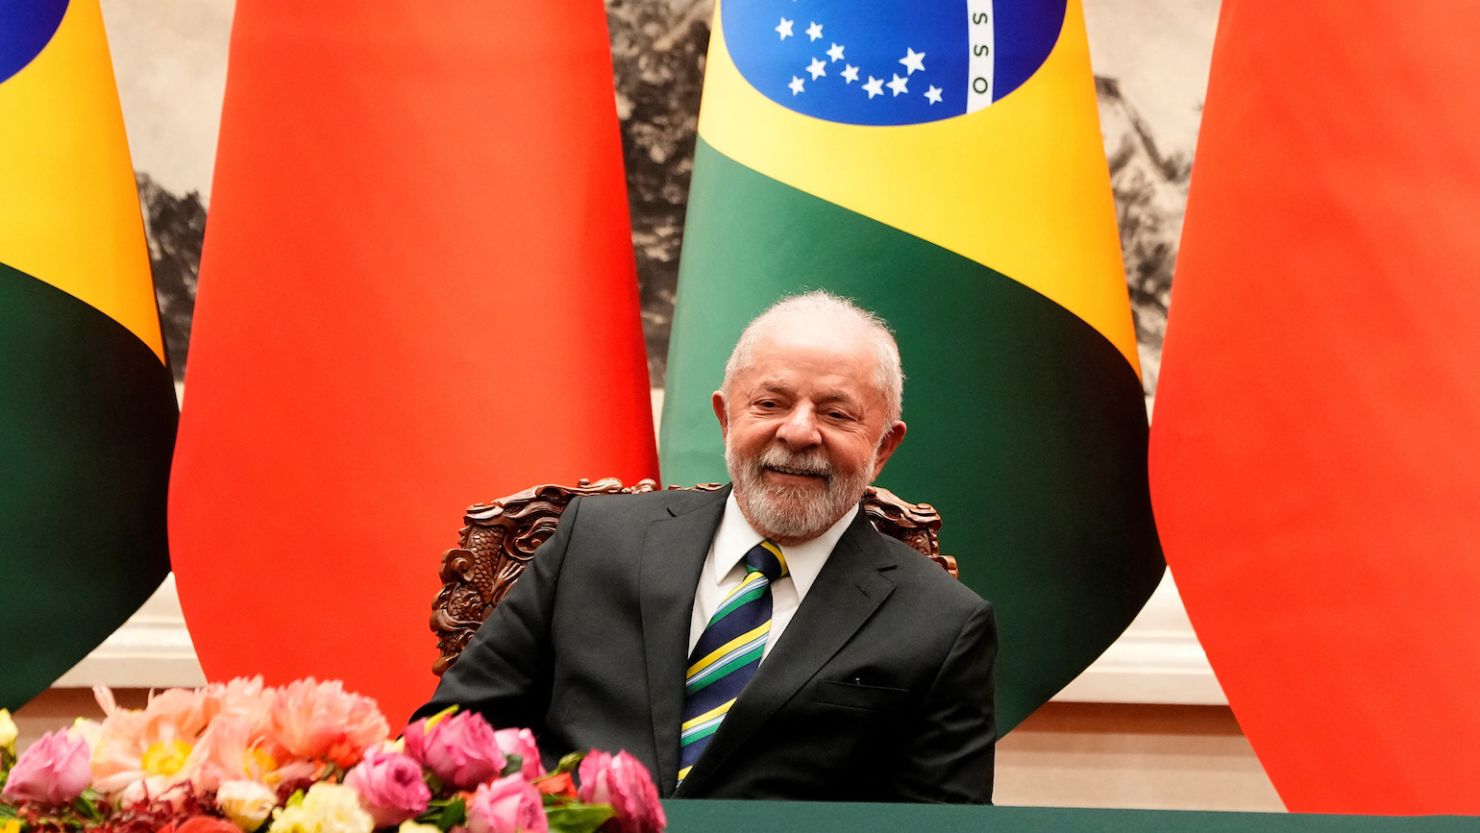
(417, 292)
(1314, 461)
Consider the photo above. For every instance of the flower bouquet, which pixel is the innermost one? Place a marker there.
(307, 757)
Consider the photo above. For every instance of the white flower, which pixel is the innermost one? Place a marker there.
(246, 803)
(8, 731)
(327, 808)
(410, 826)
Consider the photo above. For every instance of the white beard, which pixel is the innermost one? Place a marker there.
(793, 512)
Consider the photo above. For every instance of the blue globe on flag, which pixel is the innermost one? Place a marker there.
(889, 62)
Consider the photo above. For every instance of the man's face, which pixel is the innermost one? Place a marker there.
(806, 429)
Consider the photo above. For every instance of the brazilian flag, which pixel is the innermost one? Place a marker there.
(87, 406)
(939, 162)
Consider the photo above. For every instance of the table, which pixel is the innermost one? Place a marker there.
(704, 816)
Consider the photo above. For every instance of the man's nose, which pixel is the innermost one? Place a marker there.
(799, 430)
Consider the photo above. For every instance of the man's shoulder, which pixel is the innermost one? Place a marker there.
(645, 506)
(924, 576)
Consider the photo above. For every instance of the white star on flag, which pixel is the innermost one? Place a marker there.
(850, 73)
(815, 31)
(797, 85)
(818, 68)
(875, 86)
(898, 85)
(913, 61)
(835, 52)
(784, 28)
(933, 93)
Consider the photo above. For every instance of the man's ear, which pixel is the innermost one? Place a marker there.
(718, 401)
(892, 438)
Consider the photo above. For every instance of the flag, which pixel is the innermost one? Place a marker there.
(417, 292)
(939, 163)
(87, 406)
(1314, 462)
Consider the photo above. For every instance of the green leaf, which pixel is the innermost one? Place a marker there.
(513, 765)
(569, 762)
(454, 814)
(295, 799)
(578, 818)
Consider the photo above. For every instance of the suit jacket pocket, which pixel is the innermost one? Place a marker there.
(858, 695)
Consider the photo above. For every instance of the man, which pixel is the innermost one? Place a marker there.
(762, 641)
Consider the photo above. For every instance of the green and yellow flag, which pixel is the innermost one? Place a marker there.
(87, 406)
(940, 163)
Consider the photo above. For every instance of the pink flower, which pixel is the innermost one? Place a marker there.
(390, 786)
(461, 750)
(508, 805)
(623, 782)
(322, 721)
(53, 771)
(521, 742)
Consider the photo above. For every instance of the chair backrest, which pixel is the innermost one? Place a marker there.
(501, 536)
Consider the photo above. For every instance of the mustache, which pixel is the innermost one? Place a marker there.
(813, 463)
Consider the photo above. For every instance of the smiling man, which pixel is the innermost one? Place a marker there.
(762, 641)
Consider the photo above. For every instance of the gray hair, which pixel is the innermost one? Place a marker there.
(816, 305)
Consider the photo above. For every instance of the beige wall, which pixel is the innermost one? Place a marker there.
(1067, 754)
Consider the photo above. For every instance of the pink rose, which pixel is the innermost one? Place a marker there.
(623, 782)
(460, 750)
(508, 805)
(521, 742)
(54, 770)
(390, 786)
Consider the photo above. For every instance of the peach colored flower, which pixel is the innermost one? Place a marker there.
(53, 770)
(623, 782)
(322, 721)
(233, 749)
(244, 697)
(144, 751)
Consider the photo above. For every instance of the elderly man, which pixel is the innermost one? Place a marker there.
(762, 641)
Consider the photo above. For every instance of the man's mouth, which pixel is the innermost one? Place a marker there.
(796, 471)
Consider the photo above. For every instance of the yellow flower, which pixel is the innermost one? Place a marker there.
(246, 803)
(410, 826)
(327, 808)
(8, 733)
(14, 825)
(165, 757)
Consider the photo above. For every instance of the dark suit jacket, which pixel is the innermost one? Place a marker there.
(879, 689)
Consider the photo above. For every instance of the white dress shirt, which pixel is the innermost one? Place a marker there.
(724, 569)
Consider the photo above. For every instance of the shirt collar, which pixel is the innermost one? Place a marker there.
(804, 561)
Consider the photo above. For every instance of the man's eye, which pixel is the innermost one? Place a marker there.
(839, 415)
(768, 404)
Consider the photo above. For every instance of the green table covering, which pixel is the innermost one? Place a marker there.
(695, 816)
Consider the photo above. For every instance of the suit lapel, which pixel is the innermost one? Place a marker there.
(672, 557)
(846, 593)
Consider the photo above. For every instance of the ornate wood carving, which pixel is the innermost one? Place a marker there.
(500, 538)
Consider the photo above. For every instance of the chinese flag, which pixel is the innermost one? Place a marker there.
(417, 293)
(1315, 453)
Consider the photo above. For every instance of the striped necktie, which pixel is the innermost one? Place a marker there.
(728, 653)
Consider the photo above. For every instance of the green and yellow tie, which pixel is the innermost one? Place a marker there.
(728, 653)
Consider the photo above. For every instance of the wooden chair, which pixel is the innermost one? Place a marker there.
(501, 536)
